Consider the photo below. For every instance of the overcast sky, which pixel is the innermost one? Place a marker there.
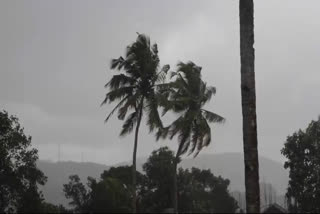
(54, 62)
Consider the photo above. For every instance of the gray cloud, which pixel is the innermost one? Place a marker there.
(54, 60)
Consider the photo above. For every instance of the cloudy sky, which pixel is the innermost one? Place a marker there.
(54, 62)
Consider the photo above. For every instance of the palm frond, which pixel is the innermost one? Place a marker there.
(190, 70)
(128, 125)
(176, 126)
(143, 40)
(162, 133)
(208, 93)
(184, 138)
(117, 63)
(165, 68)
(204, 138)
(161, 77)
(154, 48)
(118, 94)
(120, 80)
(153, 118)
(115, 108)
(130, 104)
(196, 136)
(212, 117)
(172, 74)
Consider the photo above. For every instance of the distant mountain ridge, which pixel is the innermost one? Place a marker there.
(229, 165)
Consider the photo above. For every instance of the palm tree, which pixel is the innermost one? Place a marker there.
(134, 90)
(248, 94)
(187, 95)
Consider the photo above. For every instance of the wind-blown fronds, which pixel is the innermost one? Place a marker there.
(128, 125)
(212, 117)
(139, 74)
(120, 80)
(115, 108)
(186, 95)
(118, 94)
(153, 118)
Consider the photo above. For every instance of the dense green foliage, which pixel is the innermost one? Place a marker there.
(111, 194)
(159, 180)
(208, 192)
(19, 175)
(199, 190)
(302, 150)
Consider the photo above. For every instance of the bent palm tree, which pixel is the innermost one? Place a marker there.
(248, 95)
(134, 89)
(187, 95)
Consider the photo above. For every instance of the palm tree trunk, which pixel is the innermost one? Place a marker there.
(175, 185)
(175, 180)
(134, 160)
(248, 94)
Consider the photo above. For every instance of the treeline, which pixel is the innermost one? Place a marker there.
(199, 190)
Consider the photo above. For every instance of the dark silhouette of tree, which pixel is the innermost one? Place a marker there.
(248, 95)
(77, 192)
(187, 94)
(108, 195)
(19, 175)
(200, 191)
(302, 150)
(134, 89)
(159, 172)
(124, 175)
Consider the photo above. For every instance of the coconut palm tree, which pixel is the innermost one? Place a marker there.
(134, 90)
(186, 95)
(248, 94)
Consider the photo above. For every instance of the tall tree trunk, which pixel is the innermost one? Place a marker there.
(134, 160)
(248, 94)
(175, 184)
(175, 180)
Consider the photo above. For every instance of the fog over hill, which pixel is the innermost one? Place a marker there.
(229, 165)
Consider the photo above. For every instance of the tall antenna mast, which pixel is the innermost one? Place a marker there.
(59, 153)
(81, 157)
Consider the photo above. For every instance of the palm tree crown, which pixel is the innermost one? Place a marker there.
(187, 94)
(136, 84)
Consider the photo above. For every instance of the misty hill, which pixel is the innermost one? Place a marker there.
(228, 165)
(58, 174)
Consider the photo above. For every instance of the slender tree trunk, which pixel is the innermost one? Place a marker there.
(248, 94)
(175, 184)
(134, 160)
